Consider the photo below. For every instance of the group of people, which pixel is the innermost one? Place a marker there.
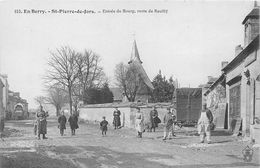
(73, 120)
(40, 126)
(204, 124)
(169, 120)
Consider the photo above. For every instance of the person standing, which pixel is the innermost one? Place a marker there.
(73, 120)
(153, 119)
(206, 118)
(116, 120)
(168, 124)
(62, 123)
(42, 123)
(103, 126)
(139, 123)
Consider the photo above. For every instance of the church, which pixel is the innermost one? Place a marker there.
(145, 86)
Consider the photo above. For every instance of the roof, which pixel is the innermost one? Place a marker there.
(216, 83)
(138, 66)
(137, 63)
(253, 14)
(242, 55)
(117, 93)
(135, 54)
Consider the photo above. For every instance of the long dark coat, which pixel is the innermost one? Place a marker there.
(62, 122)
(153, 122)
(73, 120)
(116, 120)
(42, 122)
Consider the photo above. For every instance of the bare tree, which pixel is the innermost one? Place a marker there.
(40, 100)
(90, 73)
(128, 79)
(63, 69)
(57, 96)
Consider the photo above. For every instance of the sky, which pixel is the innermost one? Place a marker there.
(188, 42)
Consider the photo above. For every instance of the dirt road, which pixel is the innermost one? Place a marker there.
(119, 149)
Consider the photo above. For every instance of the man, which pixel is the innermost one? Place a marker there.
(204, 123)
(153, 122)
(62, 123)
(168, 121)
(73, 120)
(116, 120)
(42, 122)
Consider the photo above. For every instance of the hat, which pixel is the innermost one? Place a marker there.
(103, 117)
(138, 108)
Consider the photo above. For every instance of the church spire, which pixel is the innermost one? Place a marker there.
(135, 53)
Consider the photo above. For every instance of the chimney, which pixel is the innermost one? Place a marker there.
(238, 49)
(224, 64)
(210, 79)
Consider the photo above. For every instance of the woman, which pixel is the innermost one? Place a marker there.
(62, 123)
(73, 120)
(116, 120)
(139, 122)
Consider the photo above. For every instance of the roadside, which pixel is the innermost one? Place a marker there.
(120, 148)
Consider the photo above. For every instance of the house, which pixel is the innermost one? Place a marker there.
(3, 79)
(241, 80)
(17, 108)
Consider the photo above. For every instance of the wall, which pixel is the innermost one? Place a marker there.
(96, 114)
(127, 114)
(216, 102)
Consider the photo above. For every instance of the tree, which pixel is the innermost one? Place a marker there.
(40, 100)
(57, 96)
(91, 74)
(63, 70)
(106, 95)
(99, 95)
(163, 89)
(128, 79)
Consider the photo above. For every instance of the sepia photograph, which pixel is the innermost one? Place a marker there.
(129, 84)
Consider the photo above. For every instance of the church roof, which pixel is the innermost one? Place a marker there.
(137, 63)
(138, 66)
(253, 14)
(135, 54)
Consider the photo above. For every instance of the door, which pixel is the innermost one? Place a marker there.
(234, 105)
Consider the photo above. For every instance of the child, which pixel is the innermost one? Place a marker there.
(103, 126)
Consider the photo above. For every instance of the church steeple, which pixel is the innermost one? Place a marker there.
(135, 54)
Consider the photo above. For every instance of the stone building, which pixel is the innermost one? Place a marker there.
(241, 79)
(17, 108)
(215, 97)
